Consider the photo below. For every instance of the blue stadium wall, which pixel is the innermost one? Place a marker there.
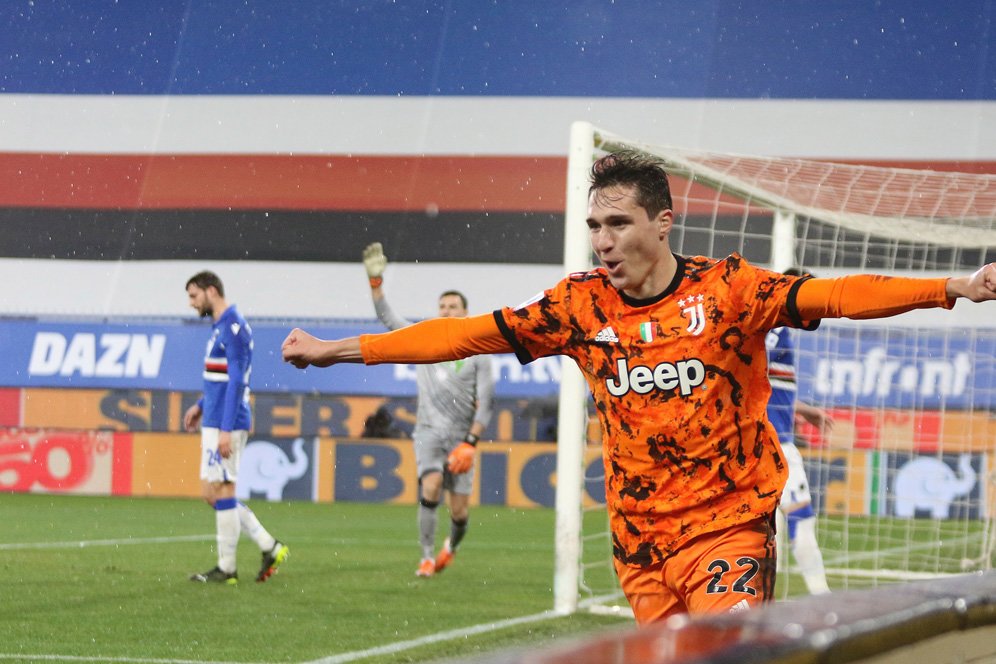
(911, 50)
(205, 130)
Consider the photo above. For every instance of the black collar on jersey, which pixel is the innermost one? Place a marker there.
(679, 274)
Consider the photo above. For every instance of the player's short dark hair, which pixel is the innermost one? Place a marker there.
(637, 169)
(463, 299)
(798, 272)
(204, 279)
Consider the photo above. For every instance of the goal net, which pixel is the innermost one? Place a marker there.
(903, 483)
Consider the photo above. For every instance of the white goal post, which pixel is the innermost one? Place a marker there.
(914, 392)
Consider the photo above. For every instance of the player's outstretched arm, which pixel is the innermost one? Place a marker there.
(435, 340)
(978, 287)
(303, 350)
(864, 296)
(430, 341)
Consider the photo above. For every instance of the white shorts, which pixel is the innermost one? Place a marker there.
(796, 491)
(214, 468)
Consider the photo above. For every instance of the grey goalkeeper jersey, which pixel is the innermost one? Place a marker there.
(451, 395)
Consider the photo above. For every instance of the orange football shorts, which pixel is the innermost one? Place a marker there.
(724, 571)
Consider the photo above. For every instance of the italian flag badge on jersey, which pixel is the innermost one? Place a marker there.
(647, 331)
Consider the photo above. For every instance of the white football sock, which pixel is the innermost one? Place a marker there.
(227, 529)
(808, 557)
(254, 529)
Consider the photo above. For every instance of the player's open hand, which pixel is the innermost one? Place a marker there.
(225, 444)
(374, 260)
(461, 459)
(192, 418)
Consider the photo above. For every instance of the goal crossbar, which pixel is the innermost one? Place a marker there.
(842, 194)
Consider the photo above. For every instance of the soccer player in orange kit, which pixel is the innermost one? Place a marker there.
(673, 350)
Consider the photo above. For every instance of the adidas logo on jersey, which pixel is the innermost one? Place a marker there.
(742, 605)
(607, 335)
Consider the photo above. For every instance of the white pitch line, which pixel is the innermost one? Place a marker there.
(15, 546)
(204, 538)
(334, 659)
(400, 646)
(128, 660)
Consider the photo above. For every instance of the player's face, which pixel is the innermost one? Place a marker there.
(451, 306)
(630, 245)
(199, 300)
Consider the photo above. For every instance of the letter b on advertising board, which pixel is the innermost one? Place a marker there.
(368, 473)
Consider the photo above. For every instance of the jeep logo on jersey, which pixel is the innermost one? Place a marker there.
(684, 375)
(106, 355)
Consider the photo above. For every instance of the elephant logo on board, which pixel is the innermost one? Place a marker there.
(265, 468)
(929, 485)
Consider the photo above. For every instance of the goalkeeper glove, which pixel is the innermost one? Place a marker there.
(375, 262)
(461, 459)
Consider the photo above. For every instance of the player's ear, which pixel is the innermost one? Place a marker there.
(665, 221)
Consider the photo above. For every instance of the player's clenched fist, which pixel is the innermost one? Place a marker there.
(295, 348)
(979, 287)
(984, 283)
(302, 349)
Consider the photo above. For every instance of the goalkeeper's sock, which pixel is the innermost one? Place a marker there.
(427, 519)
(251, 526)
(457, 530)
(226, 519)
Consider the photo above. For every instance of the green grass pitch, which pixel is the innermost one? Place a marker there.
(106, 578)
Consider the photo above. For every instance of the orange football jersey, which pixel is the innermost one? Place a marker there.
(680, 385)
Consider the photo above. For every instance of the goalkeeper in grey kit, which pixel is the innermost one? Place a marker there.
(454, 408)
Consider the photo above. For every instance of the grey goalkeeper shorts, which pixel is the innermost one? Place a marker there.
(432, 446)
